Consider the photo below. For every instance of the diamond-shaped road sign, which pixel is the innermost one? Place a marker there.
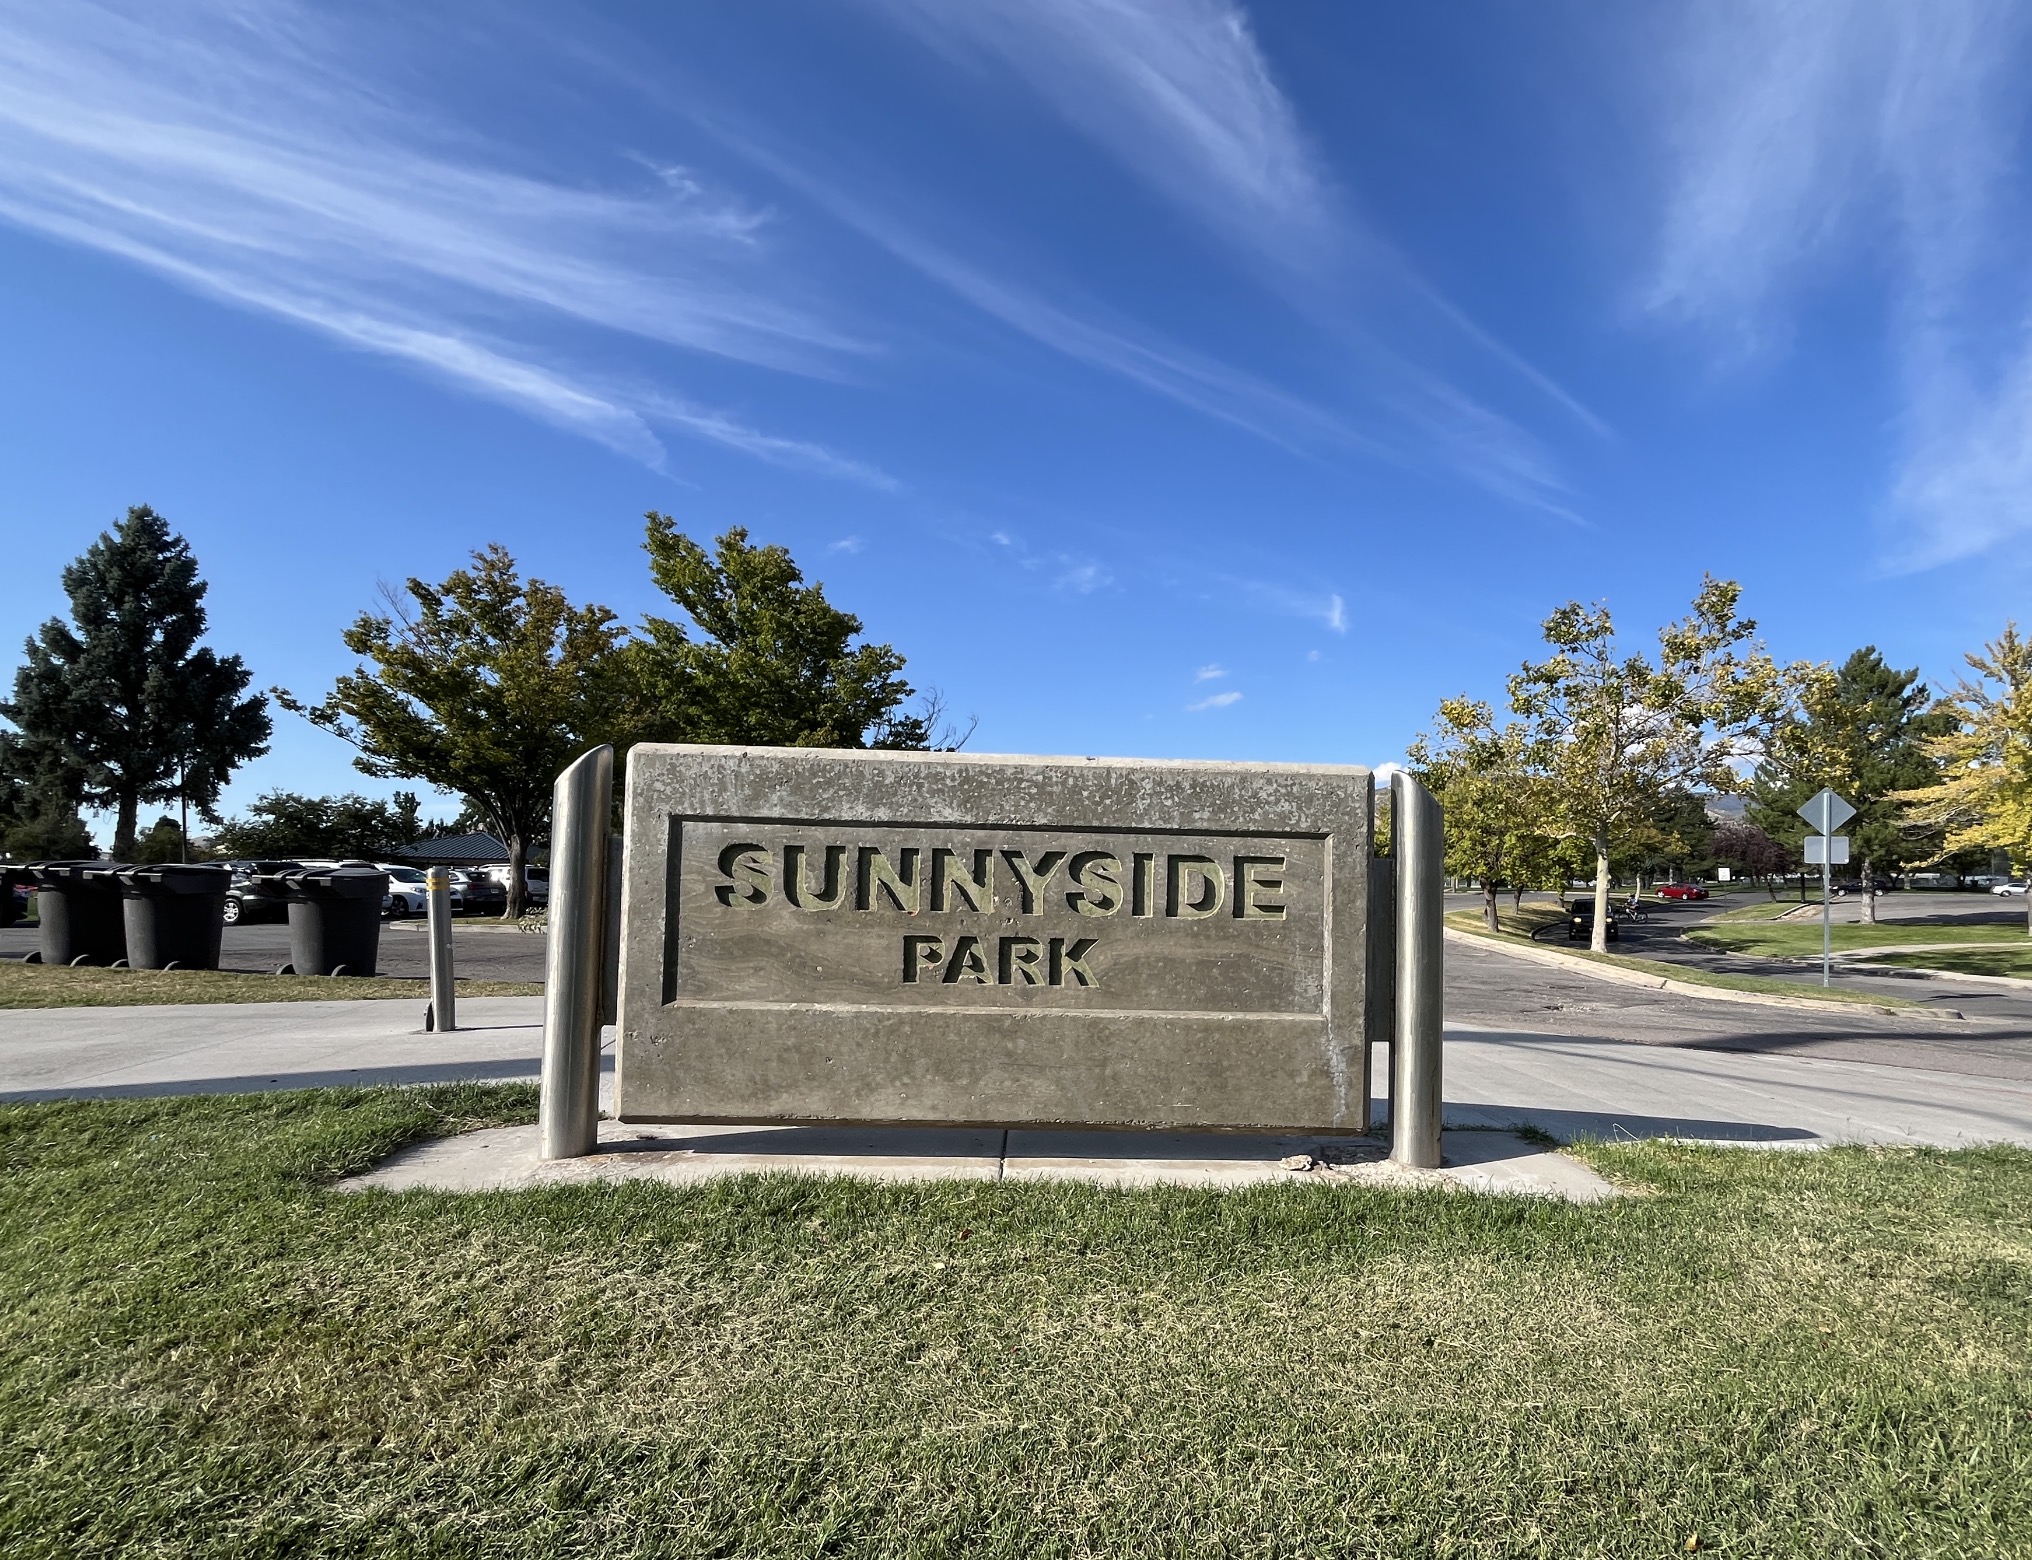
(1826, 811)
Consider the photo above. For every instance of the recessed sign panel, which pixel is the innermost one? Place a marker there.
(829, 936)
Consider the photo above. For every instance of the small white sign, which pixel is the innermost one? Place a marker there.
(1827, 812)
(1817, 849)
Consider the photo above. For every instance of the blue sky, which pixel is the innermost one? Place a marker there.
(1163, 377)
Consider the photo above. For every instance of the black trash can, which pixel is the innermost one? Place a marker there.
(10, 878)
(174, 915)
(334, 917)
(78, 904)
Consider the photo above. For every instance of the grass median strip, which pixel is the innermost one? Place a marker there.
(45, 986)
(1801, 939)
(2011, 962)
(208, 1352)
(1760, 985)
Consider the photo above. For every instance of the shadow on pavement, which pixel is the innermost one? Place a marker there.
(518, 1069)
(1619, 1126)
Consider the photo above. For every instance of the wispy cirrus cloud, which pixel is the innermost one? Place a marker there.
(1177, 91)
(234, 151)
(1210, 673)
(1215, 701)
(1180, 94)
(1808, 141)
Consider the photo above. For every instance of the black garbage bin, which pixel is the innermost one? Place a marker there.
(334, 917)
(78, 906)
(174, 915)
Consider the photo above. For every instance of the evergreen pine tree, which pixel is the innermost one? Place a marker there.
(1863, 730)
(121, 707)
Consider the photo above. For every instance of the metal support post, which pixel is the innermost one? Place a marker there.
(569, 1111)
(444, 1013)
(1417, 840)
(1827, 913)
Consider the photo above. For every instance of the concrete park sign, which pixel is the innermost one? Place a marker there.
(817, 935)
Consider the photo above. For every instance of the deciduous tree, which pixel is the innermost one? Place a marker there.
(486, 686)
(1752, 852)
(1615, 732)
(284, 824)
(1494, 802)
(762, 657)
(1983, 797)
(122, 707)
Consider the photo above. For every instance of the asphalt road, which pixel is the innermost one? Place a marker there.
(1487, 987)
(479, 951)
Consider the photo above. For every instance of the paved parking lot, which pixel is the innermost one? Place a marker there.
(480, 951)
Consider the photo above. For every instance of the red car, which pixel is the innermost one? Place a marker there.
(1681, 891)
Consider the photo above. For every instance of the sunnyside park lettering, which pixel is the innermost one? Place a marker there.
(944, 880)
(1051, 917)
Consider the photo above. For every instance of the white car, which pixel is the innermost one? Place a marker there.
(2015, 887)
(409, 893)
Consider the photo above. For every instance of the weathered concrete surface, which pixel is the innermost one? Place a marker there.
(240, 1048)
(504, 1158)
(888, 938)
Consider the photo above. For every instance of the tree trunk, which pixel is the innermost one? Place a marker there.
(1489, 903)
(1869, 894)
(124, 826)
(1599, 942)
(518, 876)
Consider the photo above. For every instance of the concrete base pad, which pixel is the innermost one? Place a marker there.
(504, 1158)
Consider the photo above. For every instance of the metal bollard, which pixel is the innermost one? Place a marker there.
(569, 1111)
(444, 1013)
(1418, 841)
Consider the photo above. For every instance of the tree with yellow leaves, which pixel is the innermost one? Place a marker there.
(1984, 796)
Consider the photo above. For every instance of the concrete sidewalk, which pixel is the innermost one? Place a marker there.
(237, 1048)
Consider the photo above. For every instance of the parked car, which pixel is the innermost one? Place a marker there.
(1681, 891)
(2013, 889)
(481, 894)
(1880, 885)
(244, 899)
(409, 893)
(535, 881)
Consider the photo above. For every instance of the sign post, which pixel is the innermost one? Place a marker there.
(1826, 812)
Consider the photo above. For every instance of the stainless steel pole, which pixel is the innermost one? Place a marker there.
(444, 1015)
(1418, 842)
(569, 1111)
(1826, 907)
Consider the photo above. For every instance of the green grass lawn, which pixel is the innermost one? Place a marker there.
(1516, 929)
(1799, 939)
(43, 985)
(208, 1352)
(1968, 961)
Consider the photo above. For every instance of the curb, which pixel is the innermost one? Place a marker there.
(1622, 977)
(2013, 982)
